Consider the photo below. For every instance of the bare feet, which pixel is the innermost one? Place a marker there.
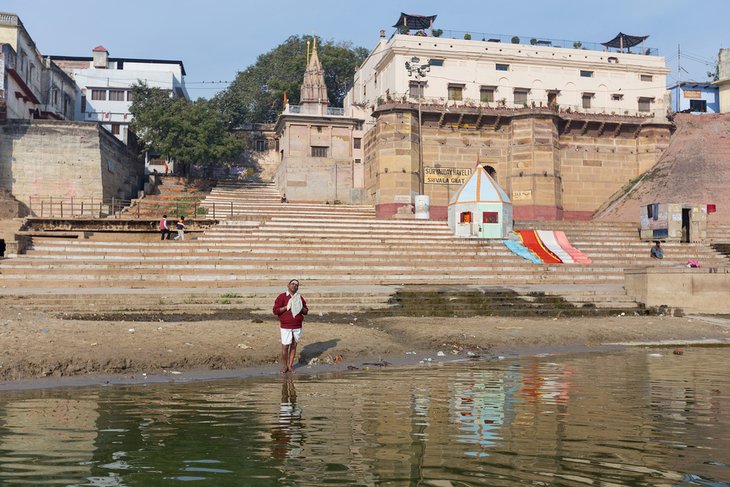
(291, 371)
(284, 370)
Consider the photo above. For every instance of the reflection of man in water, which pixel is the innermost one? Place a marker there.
(287, 437)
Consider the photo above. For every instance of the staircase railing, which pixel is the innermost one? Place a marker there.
(55, 207)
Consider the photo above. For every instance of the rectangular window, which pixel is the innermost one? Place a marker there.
(416, 89)
(698, 106)
(645, 104)
(83, 104)
(319, 151)
(520, 97)
(552, 98)
(486, 94)
(98, 95)
(502, 67)
(456, 92)
(465, 217)
(115, 128)
(436, 62)
(617, 97)
(587, 97)
(586, 74)
(116, 95)
(490, 217)
(357, 143)
(358, 161)
(647, 77)
(130, 95)
(261, 145)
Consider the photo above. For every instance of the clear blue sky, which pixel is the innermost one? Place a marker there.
(215, 39)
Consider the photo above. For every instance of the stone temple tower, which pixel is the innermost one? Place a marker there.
(314, 91)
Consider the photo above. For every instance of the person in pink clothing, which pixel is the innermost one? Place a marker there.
(290, 307)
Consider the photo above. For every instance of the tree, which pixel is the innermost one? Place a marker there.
(186, 131)
(256, 94)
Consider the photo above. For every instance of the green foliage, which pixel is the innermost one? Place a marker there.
(467, 36)
(437, 32)
(577, 45)
(515, 40)
(190, 132)
(533, 41)
(256, 95)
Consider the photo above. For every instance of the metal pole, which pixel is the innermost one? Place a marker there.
(61, 208)
(82, 207)
(139, 203)
(213, 211)
(231, 208)
(420, 145)
(41, 208)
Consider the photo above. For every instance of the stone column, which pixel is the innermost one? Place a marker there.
(392, 161)
(534, 160)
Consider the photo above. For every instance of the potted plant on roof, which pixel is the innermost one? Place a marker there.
(436, 32)
(515, 40)
(467, 36)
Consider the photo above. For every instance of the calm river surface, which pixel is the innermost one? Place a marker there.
(613, 418)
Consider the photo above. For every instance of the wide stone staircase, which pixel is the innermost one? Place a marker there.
(350, 259)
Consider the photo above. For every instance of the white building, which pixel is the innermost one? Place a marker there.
(498, 72)
(105, 85)
(30, 86)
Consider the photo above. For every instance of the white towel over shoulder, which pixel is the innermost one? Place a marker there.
(295, 304)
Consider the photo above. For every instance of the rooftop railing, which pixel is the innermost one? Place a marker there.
(531, 105)
(301, 109)
(529, 40)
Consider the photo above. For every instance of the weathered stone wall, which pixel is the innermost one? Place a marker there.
(44, 158)
(551, 167)
(305, 178)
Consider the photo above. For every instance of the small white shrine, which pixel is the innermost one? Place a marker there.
(480, 208)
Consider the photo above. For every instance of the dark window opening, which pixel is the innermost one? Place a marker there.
(486, 94)
(115, 128)
(261, 145)
(490, 217)
(645, 104)
(2, 248)
(357, 143)
(502, 67)
(491, 171)
(319, 151)
(465, 217)
(698, 106)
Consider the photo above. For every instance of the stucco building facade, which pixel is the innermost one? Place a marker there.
(104, 92)
(564, 127)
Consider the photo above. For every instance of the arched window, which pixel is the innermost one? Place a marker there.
(491, 171)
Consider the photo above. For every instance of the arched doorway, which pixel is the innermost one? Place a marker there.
(491, 171)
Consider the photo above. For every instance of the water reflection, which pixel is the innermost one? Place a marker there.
(625, 418)
(287, 436)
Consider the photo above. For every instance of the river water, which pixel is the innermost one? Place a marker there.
(607, 418)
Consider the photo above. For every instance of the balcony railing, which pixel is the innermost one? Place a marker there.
(530, 40)
(562, 108)
(301, 109)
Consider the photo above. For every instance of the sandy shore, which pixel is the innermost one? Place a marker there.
(36, 345)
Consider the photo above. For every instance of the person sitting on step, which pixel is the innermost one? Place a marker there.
(657, 252)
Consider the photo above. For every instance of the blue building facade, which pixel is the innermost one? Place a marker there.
(693, 97)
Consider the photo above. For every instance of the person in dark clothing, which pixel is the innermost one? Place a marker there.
(657, 252)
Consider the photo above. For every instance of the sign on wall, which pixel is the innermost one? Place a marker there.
(522, 195)
(445, 175)
(692, 94)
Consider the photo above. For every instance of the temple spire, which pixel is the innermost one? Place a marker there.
(314, 90)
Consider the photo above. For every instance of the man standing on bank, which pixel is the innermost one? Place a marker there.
(290, 307)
